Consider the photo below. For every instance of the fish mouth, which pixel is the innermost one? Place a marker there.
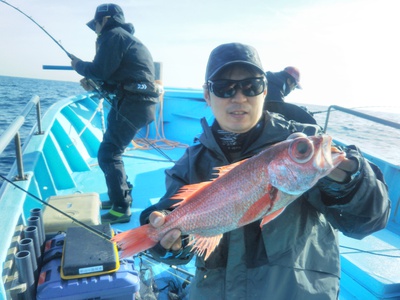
(337, 156)
(329, 156)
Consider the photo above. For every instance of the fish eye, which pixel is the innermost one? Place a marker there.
(301, 150)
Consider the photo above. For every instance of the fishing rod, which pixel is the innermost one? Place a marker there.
(97, 232)
(107, 98)
(41, 27)
(93, 230)
(95, 86)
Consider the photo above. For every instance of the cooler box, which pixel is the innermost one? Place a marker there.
(122, 284)
(83, 207)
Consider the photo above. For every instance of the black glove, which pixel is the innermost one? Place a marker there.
(341, 192)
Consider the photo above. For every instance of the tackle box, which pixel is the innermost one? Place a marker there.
(53, 248)
(88, 252)
(121, 285)
(84, 207)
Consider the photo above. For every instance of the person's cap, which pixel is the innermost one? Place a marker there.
(107, 10)
(295, 73)
(229, 54)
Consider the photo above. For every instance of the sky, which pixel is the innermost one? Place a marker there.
(347, 51)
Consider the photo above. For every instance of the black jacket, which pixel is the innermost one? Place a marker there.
(295, 256)
(277, 89)
(121, 59)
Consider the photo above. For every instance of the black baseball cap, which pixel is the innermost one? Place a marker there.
(229, 54)
(107, 10)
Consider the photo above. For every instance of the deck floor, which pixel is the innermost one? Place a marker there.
(145, 170)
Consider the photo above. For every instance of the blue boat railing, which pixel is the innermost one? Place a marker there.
(390, 171)
(360, 115)
(12, 133)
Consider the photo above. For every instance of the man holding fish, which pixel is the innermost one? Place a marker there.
(267, 226)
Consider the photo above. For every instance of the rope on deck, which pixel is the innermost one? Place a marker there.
(160, 141)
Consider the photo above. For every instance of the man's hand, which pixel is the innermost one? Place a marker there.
(74, 61)
(172, 239)
(343, 170)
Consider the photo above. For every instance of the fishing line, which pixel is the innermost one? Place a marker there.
(92, 83)
(371, 252)
(95, 231)
(155, 262)
(107, 98)
(99, 233)
(102, 94)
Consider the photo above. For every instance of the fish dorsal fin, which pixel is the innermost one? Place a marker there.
(207, 245)
(187, 191)
(225, 169)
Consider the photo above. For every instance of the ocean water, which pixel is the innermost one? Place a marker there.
(372, 138)
(15, 93)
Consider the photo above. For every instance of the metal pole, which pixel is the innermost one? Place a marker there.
(38, 117)
(18, 154)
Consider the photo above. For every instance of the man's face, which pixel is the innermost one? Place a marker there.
(290, 86)
(100, 24)
(239, 113)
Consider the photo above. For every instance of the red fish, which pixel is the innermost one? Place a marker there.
(258, 187)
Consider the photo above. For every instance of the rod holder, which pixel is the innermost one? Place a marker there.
(31, 232)
(25, 273)
(36, 221)
(38, 212)
(28, 245)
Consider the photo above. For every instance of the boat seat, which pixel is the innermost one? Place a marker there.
(371, 266)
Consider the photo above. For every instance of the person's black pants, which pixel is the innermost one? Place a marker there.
(128, 114)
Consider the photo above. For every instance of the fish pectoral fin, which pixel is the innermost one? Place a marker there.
(270, 217)
(265, 203)
(207, 245)
(253, 213)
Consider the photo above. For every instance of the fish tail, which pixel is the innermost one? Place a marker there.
(133, 241)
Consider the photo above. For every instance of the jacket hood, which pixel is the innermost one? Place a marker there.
(128, 27)
(113, 24)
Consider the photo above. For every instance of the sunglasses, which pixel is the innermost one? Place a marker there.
(225, 88)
